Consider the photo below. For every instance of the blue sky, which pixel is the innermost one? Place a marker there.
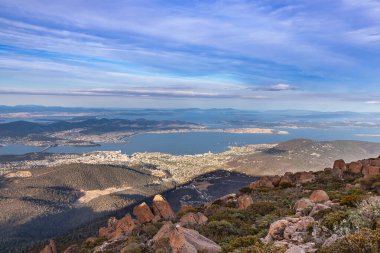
(321, 55)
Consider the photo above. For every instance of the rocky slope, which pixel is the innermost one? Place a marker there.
(334, 210)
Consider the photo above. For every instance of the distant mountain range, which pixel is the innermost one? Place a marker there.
(88, 126)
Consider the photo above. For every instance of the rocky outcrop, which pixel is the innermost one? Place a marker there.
(370, 170)
(292, 232)
(263, 182)
(50, 248)
(276, 230)
(184, 240)
(319, 196)
(305, 177)
(339, 164)
(355, 167)
(245, 201)
(303, 204)
(162, 208)
(116, 229)
(143, 213)
(193, 219)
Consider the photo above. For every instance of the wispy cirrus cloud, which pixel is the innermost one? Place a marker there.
(277, 87)
(132, 93)
(249, 49)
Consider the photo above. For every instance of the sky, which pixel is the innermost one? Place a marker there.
(320, 55)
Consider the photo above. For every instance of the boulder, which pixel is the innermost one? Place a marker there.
(370, 170)
(276, 229)
(317, 208)
(286, 180)
(72, 249)
(319, 196)
(50, 248)
(295, 249)
(276, 180)
(263, 182)
(184, 240)
(339, 164)
(305, 177)
(303, 204)
(337, 173)
(355, 167)
(374, 162)
(118, 228)
(143, 213)
(162, 208)
(297, 230)
(193, 219)
(245, 201)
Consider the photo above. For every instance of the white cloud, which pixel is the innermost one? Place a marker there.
(373, 102)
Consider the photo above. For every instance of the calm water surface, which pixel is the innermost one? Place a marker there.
(198, 143)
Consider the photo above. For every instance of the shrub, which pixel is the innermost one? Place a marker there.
(245, 190)
(351, 200)
(286, 184)
(363, 241)
(93, 244)
(333, 219)
(262, 208)
(260, 247)
(239, 242)
(219, 230)
(367, 214)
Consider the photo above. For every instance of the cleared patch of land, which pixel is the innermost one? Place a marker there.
(93, 194)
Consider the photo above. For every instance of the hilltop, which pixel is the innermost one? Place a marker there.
(333, 210)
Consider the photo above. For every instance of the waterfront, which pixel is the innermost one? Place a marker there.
(199, 143)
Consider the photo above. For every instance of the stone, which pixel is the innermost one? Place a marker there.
(143, 213)
(370, 170)
(162, 207)
(374, 162)
(263, 182)
(355, 167)
(276, 229)
(305, 177)
(295, 249)
(50, 248)
(296, 230)
(339, 164)
(193, 219)
(184, 240)
(72, 249)
(118, 228)
(244, 202)
(286, 180)
(303, 204)
(276, 180)
(329, 241)
(337, 173)
(317, 208)
(319, 196)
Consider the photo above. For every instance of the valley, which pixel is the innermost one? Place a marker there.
(41, 190)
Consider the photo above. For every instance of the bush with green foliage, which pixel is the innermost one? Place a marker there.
(363, 241)
(333, 219)
(239, 242)
(351, 200)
